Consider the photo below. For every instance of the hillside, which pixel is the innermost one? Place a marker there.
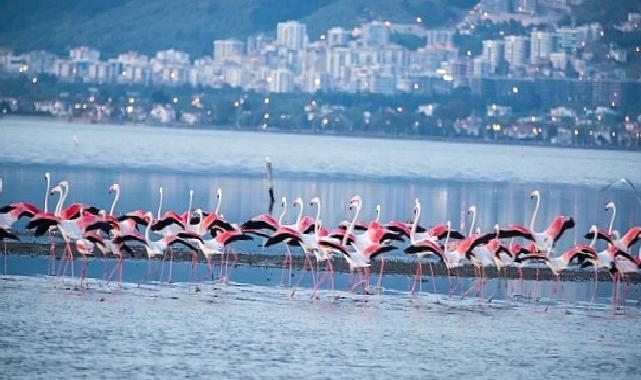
(115, 26)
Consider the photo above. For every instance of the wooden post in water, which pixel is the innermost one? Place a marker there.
(270, 184)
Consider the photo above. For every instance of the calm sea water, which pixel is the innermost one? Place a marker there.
(252, 328)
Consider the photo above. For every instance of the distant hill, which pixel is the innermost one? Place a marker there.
(115, 26)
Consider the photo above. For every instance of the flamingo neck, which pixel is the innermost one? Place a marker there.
(47, 194)
(218, 203)
(593, 242)
(317, 221)
(113, 205)
(188, 219)
(416, 218)
(351, 226)
(63, 197)
(614, 214)
(282, 215)
(56, 211)
(378, 214)
(160, 204)
(447, 238)
(536, 212)
(148, 228)
(300, 214)
(473, 222)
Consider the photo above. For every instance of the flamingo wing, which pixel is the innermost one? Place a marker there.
(122, 239)
(280, 237)
(567, 224)
(165, 222)
(261, 222)
(516, 231)
(6, 234)
(600, 234)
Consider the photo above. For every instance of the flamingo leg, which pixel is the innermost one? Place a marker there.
(433, 282)
(162, 267)
(120, 271)
(413, 288)
(596, 283)
(380, 275)
(83, 268)
(6, 263)
(52, 253)
(171, 263)
(300, 278)
(72, 264)
(210, 274)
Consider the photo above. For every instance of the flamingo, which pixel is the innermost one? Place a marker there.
(154, 248)
(373, 242)
(546, 240)
(421, 245)
(71, 226)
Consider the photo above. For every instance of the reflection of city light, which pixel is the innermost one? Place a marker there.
(387, 23)
(399, 109)
(576, 132)
(515, 90)
(266, 100)
(34, 80)
(266, 116)
(419, 19)
(175, 99)
(130, 109)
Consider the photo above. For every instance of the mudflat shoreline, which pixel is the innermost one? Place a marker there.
(392, 265)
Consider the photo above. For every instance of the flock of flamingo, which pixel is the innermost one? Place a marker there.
(358, 242)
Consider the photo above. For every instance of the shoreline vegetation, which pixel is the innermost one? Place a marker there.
(393, 265)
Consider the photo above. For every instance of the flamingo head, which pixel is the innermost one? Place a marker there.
(314, 201)
(535, 194)
(219, 193)
(160, 190)
(378, 209)
(609, 206)
(497, 228)
(283, 202)
(448, 224)
(298, 201)
(355, 202)
(593, 229)
(55, 189)
(471, 210)
(114, 187)
(64, 184)
(47, 176)
(191, 193)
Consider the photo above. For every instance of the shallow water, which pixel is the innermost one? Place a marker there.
(243, 330)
